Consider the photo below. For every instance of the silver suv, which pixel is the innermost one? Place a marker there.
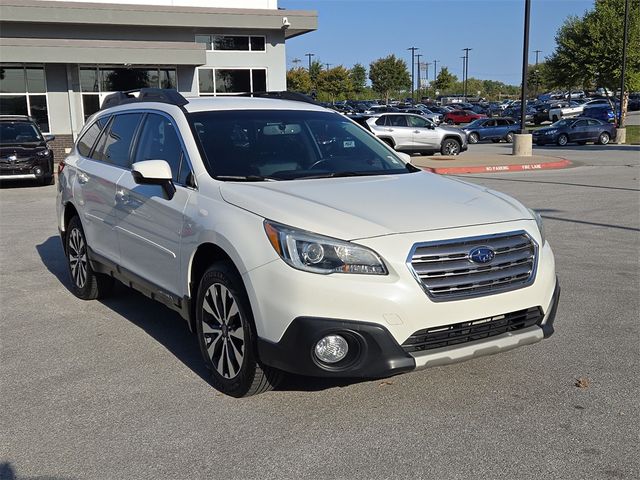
(411, 133)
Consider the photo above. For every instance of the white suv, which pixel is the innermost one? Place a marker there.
(291, 239)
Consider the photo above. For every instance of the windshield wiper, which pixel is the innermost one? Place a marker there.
(339, 174)
(245, 178)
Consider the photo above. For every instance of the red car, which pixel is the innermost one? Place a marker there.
(461, 116)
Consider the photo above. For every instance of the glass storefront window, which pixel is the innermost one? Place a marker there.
(35, 80)
(259, 79)
(205, 80)
(206, 39)
(12, 80)
(257, 44)
(90, 104)
(168, 79)
(233, 43)
(13, 105)
(89, 80)
(39, 111)
(232, 81)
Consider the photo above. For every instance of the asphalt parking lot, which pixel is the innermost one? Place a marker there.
(115, 389)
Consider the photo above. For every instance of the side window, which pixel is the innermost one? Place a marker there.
(580, 123)
(593, 122)
(159, 141)
(397, 121)
(114, 145)
(417, 122)
(381, 121)
(89, 138)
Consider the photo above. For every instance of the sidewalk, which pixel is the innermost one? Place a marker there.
(487, 163)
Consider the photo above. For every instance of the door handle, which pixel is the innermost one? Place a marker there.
(82, 178)
(389, 129)
(416, 131)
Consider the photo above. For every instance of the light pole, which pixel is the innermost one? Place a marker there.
(466, 71)
(435, 69)
(537, 52)
(525, 66)
(327, 65)
(309, 55)
(418, 57)
(624, 61)
(413, 56)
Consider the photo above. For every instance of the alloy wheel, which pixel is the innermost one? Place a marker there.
(473, 138)
(223, 330)
(451, 148)
(604, 138)
(78, 257)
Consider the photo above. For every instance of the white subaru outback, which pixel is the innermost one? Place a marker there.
(292, 240)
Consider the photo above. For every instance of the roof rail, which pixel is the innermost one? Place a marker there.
(160, 95)
(284, 95)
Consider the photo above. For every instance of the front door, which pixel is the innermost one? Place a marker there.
(424, 135)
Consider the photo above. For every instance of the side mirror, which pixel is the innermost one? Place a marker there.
(154, 172)
(49, 138)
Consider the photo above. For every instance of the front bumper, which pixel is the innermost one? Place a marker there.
(374, 353)
(33, 168)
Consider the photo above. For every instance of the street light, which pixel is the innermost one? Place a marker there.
(309, 55)
(413, 54)
(466, 71)
(418, 57)
(624, 60)
(435, 69)
(525, 67)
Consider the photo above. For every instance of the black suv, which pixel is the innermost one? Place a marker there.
(24, 153)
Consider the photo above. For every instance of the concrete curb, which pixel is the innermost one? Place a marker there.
(518, 167)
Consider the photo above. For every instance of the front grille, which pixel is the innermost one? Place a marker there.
(446, 271)
(464, 332)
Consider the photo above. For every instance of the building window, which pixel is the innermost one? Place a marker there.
(233, 43)
(220, 81)
(97, 82)
(23, 91)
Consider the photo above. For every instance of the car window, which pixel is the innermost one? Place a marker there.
(490, 123)
(159, 140)
(593, 122)
(381, 121)
(114, 146)
(86, 142)
(18, 132)
(580, 123)
(418, 122)
(397, 121)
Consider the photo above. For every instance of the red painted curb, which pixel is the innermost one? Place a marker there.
(519, 167)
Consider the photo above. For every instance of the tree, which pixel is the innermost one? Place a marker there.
(314, 71)
(335, 82)
(358, 76)
(589, 49)
(298, 80)
(388, 75)
(445, 80)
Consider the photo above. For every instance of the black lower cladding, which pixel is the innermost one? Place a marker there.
(459, 333)
(374, 351)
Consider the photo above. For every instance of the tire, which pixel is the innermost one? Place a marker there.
(450, 147)
(555, 119)
(581, 142)
(227, 336)
(509, 137)
(604, 138)
(495, 140)
(428, 153)
(474, 137)
(562, 139)
(450, 122)
(85, 283)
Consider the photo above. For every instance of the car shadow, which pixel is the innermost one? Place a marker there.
(166, 326)
(589, 147)
(5, 184)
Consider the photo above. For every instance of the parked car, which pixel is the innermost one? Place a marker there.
(380, 109)
(412, 133)
(600, 112)
(24, 151)
(292, 240)
(514, 112)
(579, 130)
(542, 110)
(573, 109)
(634, 102)
(494, 129)
(461, 116)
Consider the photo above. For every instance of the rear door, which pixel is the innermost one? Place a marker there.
(151, 226)
(579, 131)
(593, 130)
(398, 127)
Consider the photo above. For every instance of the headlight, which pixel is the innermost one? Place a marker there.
(43, 153)
(538, 220)
(317, 254)
(550, 132)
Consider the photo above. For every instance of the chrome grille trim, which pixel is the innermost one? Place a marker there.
(445, 272)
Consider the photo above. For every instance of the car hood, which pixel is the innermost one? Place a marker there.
(362, 207)
(449, 129)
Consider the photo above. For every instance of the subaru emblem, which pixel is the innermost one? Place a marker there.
(12, 158)
(481, 255)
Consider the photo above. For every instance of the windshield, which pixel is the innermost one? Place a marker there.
(255, 145)
(476, 123)
(18, 132)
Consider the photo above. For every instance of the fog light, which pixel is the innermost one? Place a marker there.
(331, 349)
(38, 171)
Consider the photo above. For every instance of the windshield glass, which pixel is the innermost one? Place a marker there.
(563, 123)
(18, 132)
(475, 123)
(289, 144)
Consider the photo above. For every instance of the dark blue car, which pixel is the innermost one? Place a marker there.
(600, 112)
(579, 130)
(494, 129)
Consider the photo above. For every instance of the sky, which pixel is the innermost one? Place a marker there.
(361, 31)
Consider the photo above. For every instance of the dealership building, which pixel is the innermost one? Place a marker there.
(59, 59)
